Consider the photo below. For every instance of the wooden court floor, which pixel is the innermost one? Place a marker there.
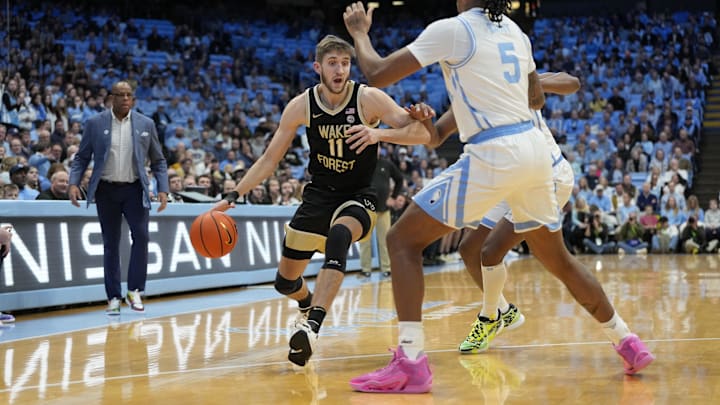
(237, 354)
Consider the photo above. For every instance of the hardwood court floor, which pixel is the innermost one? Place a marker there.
(236, 354)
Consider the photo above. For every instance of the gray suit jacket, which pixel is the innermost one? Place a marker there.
(95, 146)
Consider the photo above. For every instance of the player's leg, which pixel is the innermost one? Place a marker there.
(587, 291)
(351, 223)
(487, 324)
(382, 226)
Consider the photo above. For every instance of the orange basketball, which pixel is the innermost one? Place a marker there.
(213, 234)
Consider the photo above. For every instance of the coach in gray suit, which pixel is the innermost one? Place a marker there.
(119, 141)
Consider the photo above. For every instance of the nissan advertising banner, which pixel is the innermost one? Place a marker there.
(57, 250)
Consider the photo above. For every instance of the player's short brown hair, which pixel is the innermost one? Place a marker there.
(332, 43)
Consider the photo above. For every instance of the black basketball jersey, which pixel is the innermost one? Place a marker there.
(332, 163)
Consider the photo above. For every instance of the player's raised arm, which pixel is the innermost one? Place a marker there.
(294, 115)
(379, 71)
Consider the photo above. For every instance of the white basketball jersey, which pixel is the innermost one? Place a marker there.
(485, 67)
(542, 125)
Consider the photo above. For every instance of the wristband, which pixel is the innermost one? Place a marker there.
(232, 196)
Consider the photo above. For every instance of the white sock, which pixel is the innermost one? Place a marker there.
(503, 305)
(615, 329)
(411, 338)
(493, 283)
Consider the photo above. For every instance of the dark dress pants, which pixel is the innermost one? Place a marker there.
(115, 200)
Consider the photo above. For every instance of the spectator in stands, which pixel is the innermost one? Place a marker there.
(10, 192)
(666, 237)
(34, 181)
(675, 215)
(638, 161)
(690, 126)
(663, 144)
(673, 189)
(172, 142)
(600, 200)
(649, 221)
(287, 191)
(18, 176)
(617, 172)
(205, 181)
(596, 237)
(58, 189)
(228, 186)
(659, 160)
(685, 144)
(692, 238)
(17, 149)
(616, 100)
(712, 226)
(594, 153)
(3, 137)
(693, 209)
(685, 161)
(176, 186)
(11, 103)
(628, 186)
(647, 198)
(630, 236)
(258, 196)
(672, 170)
(626, 208)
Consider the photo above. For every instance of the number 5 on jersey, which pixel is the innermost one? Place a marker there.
(507, 57)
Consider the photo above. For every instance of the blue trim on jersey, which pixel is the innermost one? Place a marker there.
(497, 132)
(433, 199)
(538, 118)
(462, 192)
(473, 45)
(474, 112)
(488, 223)
(531, 225)
(557, 160)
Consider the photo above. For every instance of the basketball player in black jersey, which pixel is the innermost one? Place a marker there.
(338, 204)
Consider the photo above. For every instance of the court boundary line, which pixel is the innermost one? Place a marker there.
(343, 358)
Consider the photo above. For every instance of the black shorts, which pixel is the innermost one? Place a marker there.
(309, 227)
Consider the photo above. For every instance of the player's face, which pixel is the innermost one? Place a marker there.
(334, 71)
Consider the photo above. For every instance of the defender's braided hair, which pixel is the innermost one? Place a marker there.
(496, 8)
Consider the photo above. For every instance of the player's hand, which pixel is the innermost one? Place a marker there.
(357, 21)
(420, 111)
(163, 198)
(361, 137)
(223, 205)
(74, 194)
(5, 236)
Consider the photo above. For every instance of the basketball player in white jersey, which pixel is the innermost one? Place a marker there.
(491, 80)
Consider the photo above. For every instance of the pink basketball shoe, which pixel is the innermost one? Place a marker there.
(635, 354)
(402, 375)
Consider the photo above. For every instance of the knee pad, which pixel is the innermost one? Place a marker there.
(361, 214)
(336, 247)
(287, 287)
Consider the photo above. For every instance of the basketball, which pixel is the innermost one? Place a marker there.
(213, 234)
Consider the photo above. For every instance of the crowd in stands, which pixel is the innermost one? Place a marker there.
(216, 93)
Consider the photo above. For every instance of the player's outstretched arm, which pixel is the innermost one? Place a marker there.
(293, 116)
(379, 71)
(377, 105)
(559, 83)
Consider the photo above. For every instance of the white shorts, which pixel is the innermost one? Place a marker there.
(564, 179)
(507, 163)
